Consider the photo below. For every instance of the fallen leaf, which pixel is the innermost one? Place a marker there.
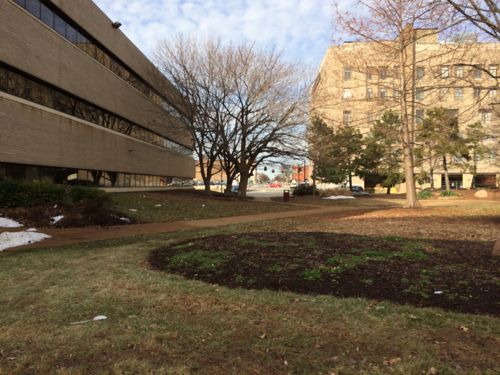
(392, 361)
(464, 328)
(263, 336)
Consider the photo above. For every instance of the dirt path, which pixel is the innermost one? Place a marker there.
(70, 236)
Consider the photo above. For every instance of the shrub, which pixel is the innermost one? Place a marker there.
(449, 193)
(29, 194)
(78, 194)
(425, 194)
(304, 189)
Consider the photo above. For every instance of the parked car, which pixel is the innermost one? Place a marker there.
(358, 190)
(234, 189)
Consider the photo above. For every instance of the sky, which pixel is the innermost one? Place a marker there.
(301, 29)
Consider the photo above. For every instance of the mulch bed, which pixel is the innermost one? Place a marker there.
(80, 215)
(455, 275)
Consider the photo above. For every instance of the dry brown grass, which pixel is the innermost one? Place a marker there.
(164, 324)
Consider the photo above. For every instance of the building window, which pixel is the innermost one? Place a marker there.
(22, 86)
(478, 71)
(33, 6)
(459, 71)
(419, 94)
(477, 92)
(397, 94)
(347, 73)
(382, 92)
(369, 93)
(72, 32)
(347, 94)
(419, 116)
(420, 72)
(459, 93)
(486, 117)
(47, 16)
(397, 73)
(347, 117)
(443, 92)
(493, 71)
(383, 72)
(492, 93)
(445, 71)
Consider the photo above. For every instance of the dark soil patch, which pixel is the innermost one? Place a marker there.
(455, 275)
(79, 215)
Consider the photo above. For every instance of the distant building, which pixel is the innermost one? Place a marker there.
(356, 84)
(78, 101)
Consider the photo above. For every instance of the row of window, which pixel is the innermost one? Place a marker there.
(459, 71)
(21, 86)
(485, 116)
(72, 32)
(420, 93)
(445, 71)
(59, 175)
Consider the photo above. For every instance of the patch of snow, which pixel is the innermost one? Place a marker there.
(8, 223)
(56, 219)
(334, 197)
(438, 292)
(125, 219)
(157, 205)
(15, 239)
(132, 210)
(31, 230)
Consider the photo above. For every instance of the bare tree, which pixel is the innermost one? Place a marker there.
(483, 14)
(387, 32)
(267, 106)
(195, 70)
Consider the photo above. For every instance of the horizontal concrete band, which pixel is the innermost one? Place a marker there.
(32, 134)
(34, 48)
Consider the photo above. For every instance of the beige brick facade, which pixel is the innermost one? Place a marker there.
(32, 134)
(358, 81)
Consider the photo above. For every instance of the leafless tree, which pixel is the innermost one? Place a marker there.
(195, 70)
(389, 28)
(268, 107)
(483, 14)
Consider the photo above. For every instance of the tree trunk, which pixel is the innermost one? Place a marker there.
(244, 176)
(446, 177)
(350, 182)
(411, 193)
(206, 182)
(474, 170)
(431, 171)
(388, 190)
(229, 184)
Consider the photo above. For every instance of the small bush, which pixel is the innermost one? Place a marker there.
(449, 193)
(425, 194)
(304, 189)
(78, 194)
(29, 194)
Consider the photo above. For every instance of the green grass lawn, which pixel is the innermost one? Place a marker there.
(159, 323)
(154, 207)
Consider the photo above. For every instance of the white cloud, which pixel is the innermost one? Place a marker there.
(301, 28)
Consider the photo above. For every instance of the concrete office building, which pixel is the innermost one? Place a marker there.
(78, 101)
(359, 81)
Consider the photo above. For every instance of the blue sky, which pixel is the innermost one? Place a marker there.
(302, 29)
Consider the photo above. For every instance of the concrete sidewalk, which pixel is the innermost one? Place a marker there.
(70, 236)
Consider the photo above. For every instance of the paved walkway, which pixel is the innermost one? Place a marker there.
(70, 236)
